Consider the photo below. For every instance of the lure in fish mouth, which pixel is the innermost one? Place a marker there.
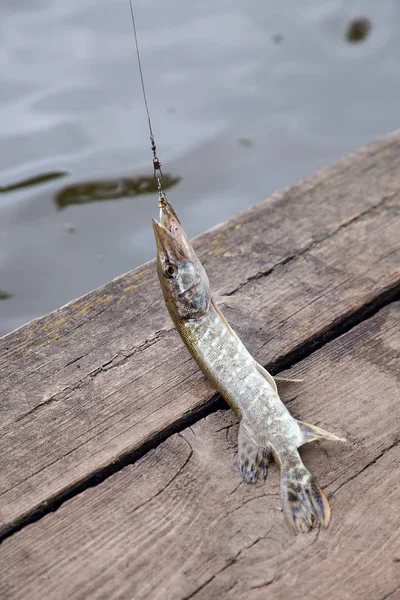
(267, 430)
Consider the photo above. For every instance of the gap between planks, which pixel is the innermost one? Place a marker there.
(215, 403)
(179, 524)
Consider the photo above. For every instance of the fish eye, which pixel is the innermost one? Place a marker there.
(170, 271)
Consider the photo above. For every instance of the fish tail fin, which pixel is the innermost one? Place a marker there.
(310, 433)
(305, 505)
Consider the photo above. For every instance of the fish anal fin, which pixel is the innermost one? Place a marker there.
(310, 433)
(252, 459)
(267, 376)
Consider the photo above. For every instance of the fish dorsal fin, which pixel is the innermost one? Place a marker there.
(267, 376)
(221, 316)
(310, 433)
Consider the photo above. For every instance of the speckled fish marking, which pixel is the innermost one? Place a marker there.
(267, 430)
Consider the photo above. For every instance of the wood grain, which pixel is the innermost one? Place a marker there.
(179, 523)
(105, 375)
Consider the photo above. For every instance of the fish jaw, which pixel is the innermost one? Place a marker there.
(169, 219)
(183, 280)
(169, 247)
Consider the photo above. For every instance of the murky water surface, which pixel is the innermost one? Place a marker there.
(246, 97)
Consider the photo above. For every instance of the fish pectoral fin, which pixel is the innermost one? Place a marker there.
(222, 317)
(310, 433)
(252, 459)
(287, 379)
(267, 376)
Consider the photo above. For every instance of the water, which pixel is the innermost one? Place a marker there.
(246, 97)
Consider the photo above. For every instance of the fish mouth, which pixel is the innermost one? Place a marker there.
(170, 237)
(169, 219)
(169, 246)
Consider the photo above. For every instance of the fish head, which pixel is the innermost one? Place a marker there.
(183, 280)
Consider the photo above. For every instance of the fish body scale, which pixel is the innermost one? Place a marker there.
(233, 371)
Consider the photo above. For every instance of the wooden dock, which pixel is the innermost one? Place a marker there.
(117, 475)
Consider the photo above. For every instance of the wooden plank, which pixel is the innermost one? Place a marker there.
(179, 523)
(102, 377)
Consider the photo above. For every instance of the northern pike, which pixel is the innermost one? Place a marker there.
(267, 430)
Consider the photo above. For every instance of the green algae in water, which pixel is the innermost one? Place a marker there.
(31, 181)
(277, 38)
(358, 30)
(5, 295)
(111, 189)
(245, 142)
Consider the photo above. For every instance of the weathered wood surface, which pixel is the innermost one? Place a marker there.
(179, 523)
(104, 375)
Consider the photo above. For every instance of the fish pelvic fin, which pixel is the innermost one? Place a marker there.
(310, 433)
(252, 459)
(304, 504)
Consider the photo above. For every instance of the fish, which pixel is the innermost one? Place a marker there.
(267, 430)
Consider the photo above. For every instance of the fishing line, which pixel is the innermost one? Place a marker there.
(158, 174)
